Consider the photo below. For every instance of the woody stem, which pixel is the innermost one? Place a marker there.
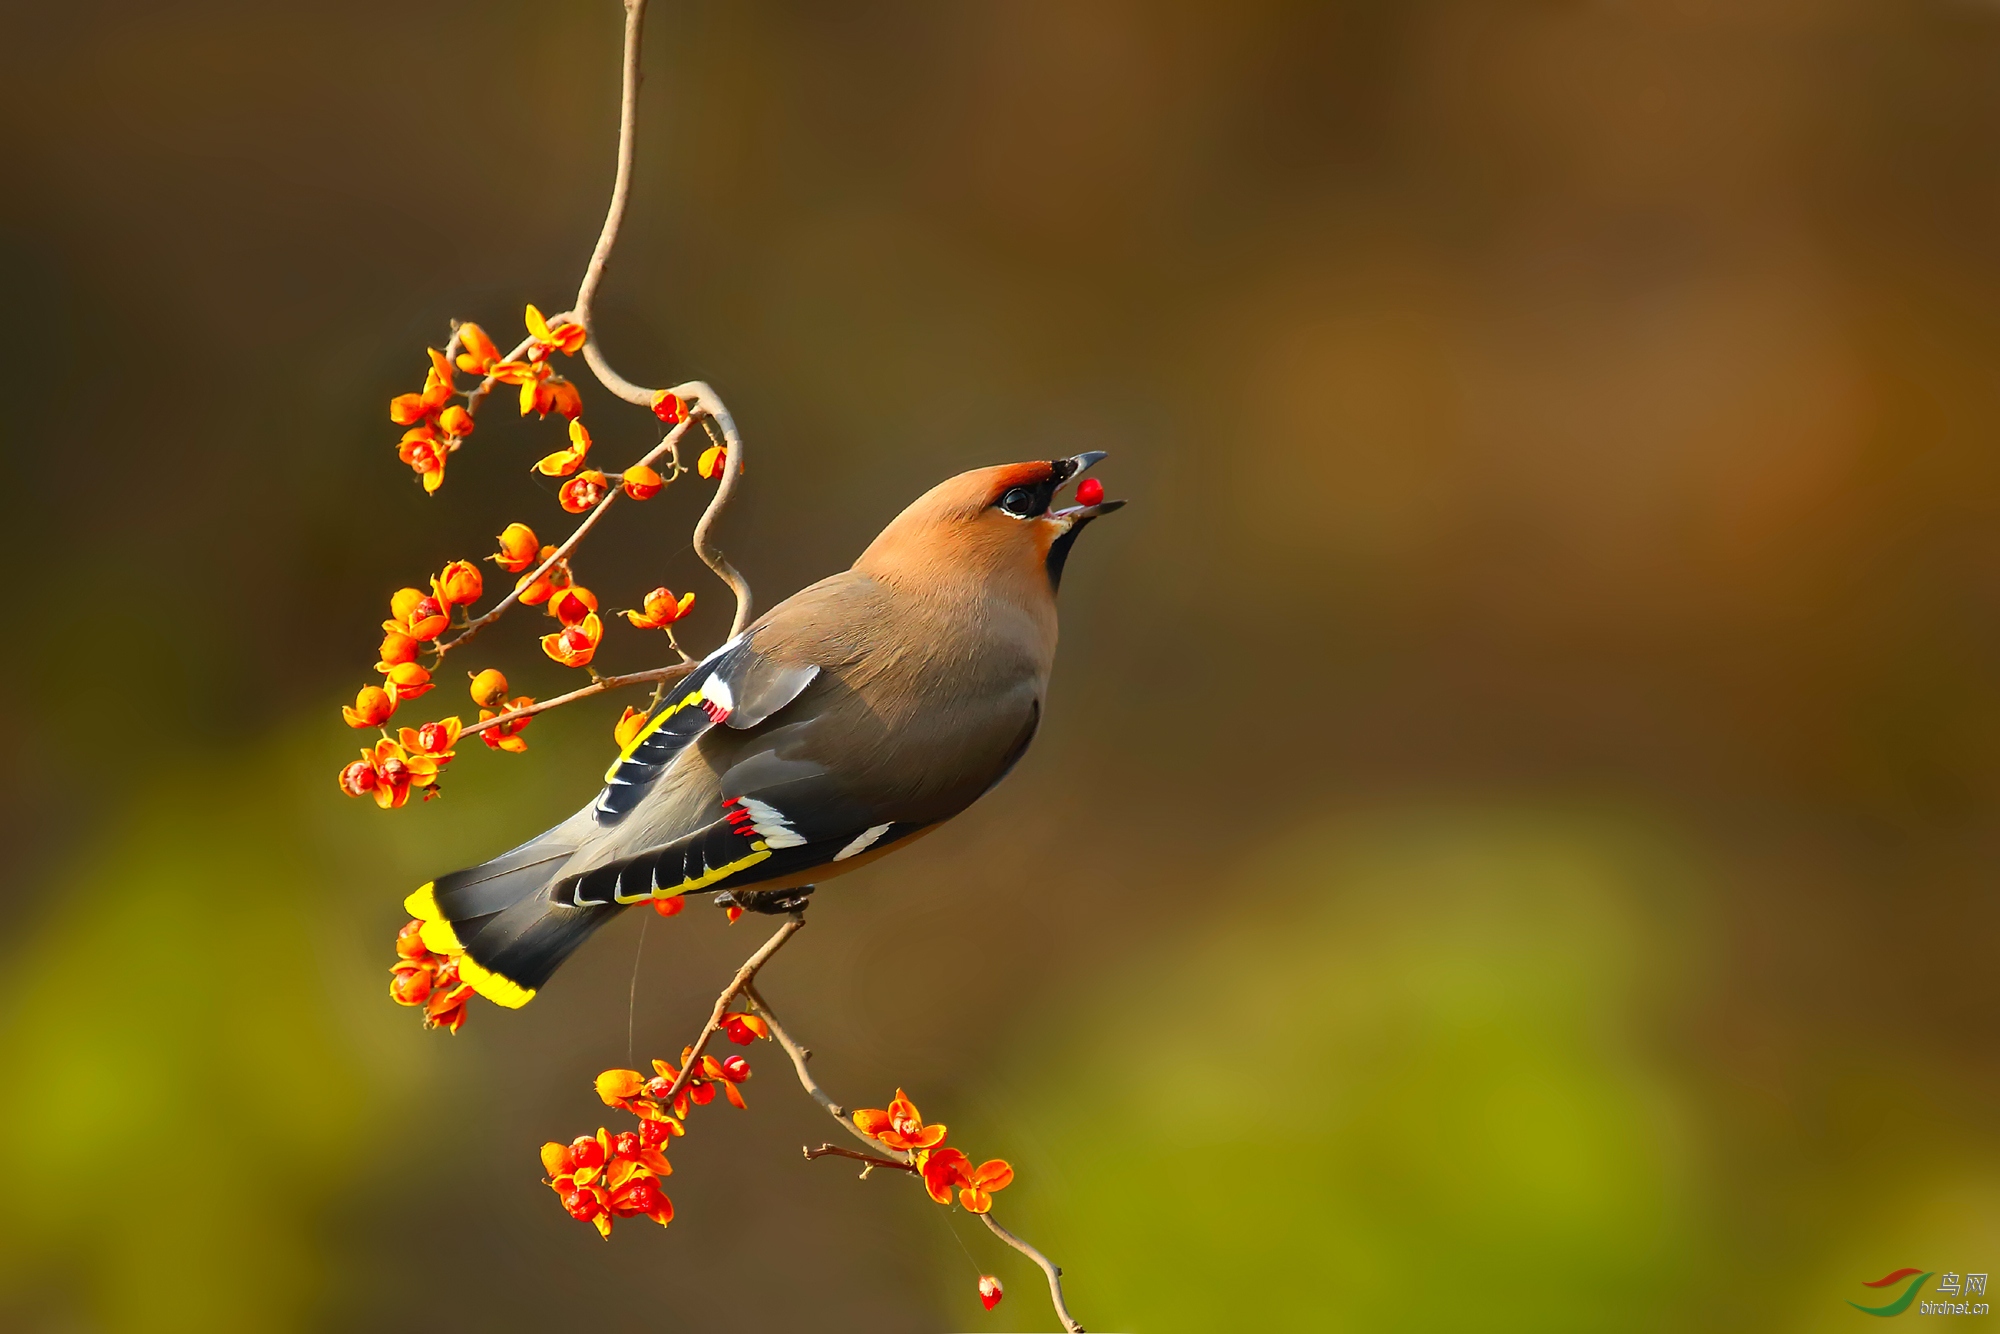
(696, 394)
(597, 687)
(692, 1061)
(800, 1055)
(621, 185)
(665, 446)
(835, 1151)
(1049, 1268)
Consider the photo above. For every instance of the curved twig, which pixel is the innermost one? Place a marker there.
(699, 396)
(800, 1056)
(729, 993)
(1048, 1267)
(621, 185)
(614, 216)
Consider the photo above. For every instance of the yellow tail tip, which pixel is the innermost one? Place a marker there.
(498, 989)
(439, 938)
(423, 903)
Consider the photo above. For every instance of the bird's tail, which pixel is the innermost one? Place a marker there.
(507, 931)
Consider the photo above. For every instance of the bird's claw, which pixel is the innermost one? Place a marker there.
(771, 902)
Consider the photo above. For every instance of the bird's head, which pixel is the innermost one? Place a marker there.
(1000, 525)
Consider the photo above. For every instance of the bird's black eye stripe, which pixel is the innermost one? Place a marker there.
(1026, 502)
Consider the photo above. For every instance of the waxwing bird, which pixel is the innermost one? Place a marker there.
(852, 718)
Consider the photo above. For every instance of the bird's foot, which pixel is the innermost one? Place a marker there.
(772, 902)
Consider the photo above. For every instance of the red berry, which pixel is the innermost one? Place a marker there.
(625, 1145)
(736, 1069)
(585, 1151)
(1088, 492)
(989, 1286)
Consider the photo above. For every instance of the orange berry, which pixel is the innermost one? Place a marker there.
(489, 688)
(372, 707)
(461, 583)
(396, 647)
(642, 483)
(409, 680)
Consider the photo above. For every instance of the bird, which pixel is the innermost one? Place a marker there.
(850, 720)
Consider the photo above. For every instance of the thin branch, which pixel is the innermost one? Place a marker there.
(597, 687)
(800, 1056)
(614, 216)
(698, 394)
(666, 446)
(835, 1151)
(593, 356)
(700, 398)
(621, 186)
(729, 993)
(1048, 1267)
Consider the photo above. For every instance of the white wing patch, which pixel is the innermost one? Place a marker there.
(770, 824)
(862, 842)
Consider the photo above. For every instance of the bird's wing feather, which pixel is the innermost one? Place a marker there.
(735, 686)
(790, 816)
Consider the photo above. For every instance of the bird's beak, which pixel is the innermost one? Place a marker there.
(1076, 465)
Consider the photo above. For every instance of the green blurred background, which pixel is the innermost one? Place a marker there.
(1511, 842)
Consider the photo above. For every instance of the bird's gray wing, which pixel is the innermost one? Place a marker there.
(774, 817)
(784, 807)
(735, 686)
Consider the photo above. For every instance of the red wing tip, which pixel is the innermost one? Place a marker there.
(1896, 1277)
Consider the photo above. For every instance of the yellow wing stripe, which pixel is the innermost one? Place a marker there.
(758, 852)
(659, 719)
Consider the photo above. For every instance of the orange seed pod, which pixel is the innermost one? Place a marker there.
(489, 688)
(372, 707)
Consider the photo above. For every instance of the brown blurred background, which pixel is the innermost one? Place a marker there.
(1512, 838)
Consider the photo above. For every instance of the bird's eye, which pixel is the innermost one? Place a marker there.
(1021, 503)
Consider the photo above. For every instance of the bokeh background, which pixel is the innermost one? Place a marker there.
(1512, 841)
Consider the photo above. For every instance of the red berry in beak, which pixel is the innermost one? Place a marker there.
(1088, 492)
(989, 1286)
